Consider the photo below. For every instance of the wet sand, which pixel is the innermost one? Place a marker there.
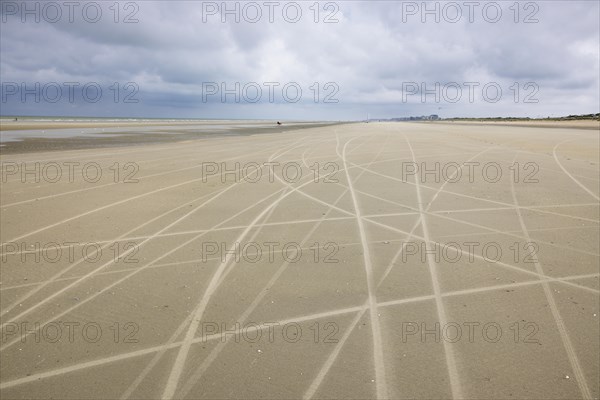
(25, 137)
(380, 260)
(31, 123)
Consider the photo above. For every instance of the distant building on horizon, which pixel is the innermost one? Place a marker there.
(432, 117)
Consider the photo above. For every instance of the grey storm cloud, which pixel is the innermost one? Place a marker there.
(370, 53)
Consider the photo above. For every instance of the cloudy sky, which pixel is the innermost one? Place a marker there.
(339, 60)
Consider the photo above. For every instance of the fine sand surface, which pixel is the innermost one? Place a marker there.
(480, 281)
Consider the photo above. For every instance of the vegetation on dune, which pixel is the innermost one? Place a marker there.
(567, 118)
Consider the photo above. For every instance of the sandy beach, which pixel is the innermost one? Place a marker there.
(365, 260)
